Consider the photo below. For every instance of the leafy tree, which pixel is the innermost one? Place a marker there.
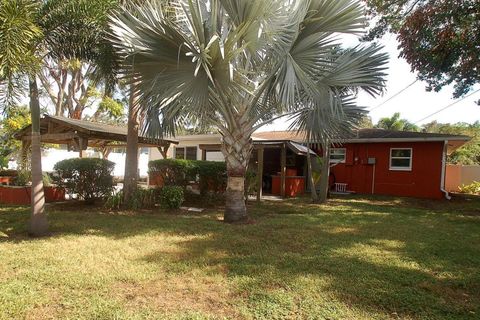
(396, 123)
(469, 153)
(238, 65)
(14, 119)
(438, 38)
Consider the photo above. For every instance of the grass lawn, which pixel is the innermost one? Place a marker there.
(355, 258)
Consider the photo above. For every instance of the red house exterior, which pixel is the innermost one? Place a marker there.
(423, 180)
(384, 162)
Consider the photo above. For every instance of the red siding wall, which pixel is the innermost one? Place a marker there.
(422, 181)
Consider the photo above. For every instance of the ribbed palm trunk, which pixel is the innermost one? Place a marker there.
(131, 159)
(237, 148)
(38, 225)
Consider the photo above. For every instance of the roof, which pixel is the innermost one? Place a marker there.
(60, 130)
(366, 135)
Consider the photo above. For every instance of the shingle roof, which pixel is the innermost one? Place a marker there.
(364, 135)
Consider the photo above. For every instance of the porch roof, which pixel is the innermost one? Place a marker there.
(81, 133)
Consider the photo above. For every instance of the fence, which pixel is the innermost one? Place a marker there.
(457, 175)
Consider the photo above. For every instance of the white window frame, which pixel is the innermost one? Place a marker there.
(393, 168)
(338, 161)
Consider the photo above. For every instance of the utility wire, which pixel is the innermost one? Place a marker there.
(396, 94)
(448, 106)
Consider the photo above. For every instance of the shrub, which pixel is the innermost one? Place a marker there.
(171, 197)
(89, 178)
(114, 201)
(212, 176)
(22, 178)
(173, 172)
(8, 173)
(140, 199)
(473, 188)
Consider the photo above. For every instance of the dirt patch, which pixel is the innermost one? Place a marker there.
(181, 293)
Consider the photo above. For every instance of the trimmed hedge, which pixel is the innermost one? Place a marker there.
(89, 178)
(211, 175)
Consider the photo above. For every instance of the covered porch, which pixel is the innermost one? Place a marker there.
(281, 166)
(78, 135)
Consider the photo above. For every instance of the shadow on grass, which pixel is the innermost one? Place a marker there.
(385, 258)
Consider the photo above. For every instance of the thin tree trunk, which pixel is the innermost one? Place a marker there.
(313, 189)
(131, 160)
(325, 173)
(237, 149)
(38, 225)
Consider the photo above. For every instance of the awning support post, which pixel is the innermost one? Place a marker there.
(260, 173)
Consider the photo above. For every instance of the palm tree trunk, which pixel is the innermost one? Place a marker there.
(237, 148)
(131, 159)
(38, 225)
(325, 173)
(313, 188)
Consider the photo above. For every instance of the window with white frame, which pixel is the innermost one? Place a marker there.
(401, 159)
(337, 155)
(187, 153)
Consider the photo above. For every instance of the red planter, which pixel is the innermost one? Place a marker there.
(21, 195)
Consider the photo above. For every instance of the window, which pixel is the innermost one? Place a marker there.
(191, 153)
(337, 155)
(188, 153)
(179, 153)
(401, 159)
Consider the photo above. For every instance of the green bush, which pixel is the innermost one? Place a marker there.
(89, 178)
(8, 173)
(473, 188)
(171, 197)
(24, 178)
(174, 172)
(211, 175)
(140, 199)
(114, 201)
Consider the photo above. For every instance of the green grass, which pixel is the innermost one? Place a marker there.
(355, 258)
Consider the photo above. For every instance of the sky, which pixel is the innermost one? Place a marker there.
(414, 103)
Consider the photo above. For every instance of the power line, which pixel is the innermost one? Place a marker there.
(396, 94)
(448, 106)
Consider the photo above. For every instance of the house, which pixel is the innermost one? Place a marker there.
(370, 161)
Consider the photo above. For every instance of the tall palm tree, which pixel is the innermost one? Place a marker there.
(30, 31)
(240, 64)
(20, 32)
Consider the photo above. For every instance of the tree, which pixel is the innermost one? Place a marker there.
(14, 119)
(32, 31)
(238, 65)
(438, 38)
(395, 123)
(468, 154)
(321, 127)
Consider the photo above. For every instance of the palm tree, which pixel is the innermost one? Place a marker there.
(30, 32)
(320, 126)
(20, 32)
(396, 123)
(238, 65)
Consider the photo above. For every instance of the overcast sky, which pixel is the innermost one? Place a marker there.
(414, 103)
